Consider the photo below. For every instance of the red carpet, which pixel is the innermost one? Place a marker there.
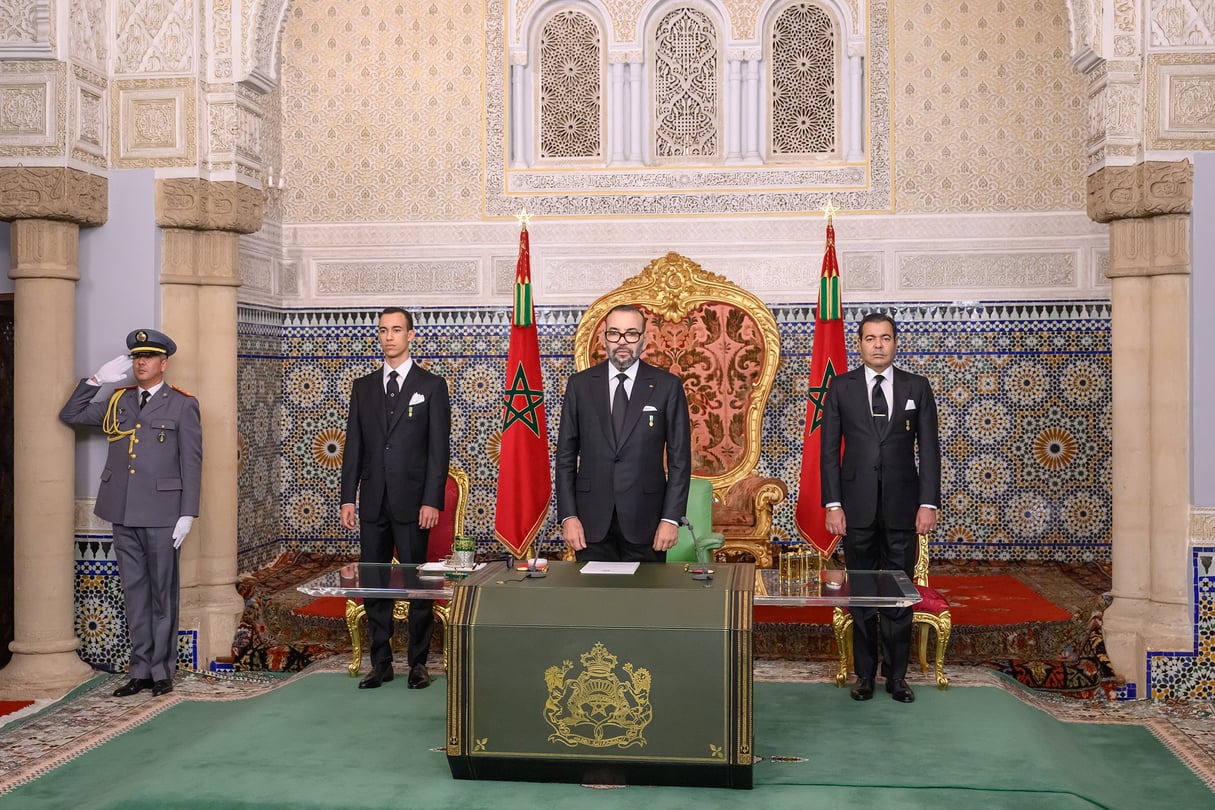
(326, 607)
(995, 600)
(986, 601)
(10, 706)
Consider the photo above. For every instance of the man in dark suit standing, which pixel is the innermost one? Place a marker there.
(149, 491)
(615, 500)
(874, 495)
(398, 438)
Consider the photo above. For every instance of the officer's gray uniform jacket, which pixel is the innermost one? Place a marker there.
(153, 475)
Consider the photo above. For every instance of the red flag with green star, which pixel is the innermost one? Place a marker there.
(525, 482)
(828, 357)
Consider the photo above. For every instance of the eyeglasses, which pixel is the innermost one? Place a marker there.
(616, 336)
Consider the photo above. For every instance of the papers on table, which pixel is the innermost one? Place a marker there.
(610, 568)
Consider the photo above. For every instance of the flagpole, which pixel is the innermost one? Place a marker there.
(524, 476)
(828, 359)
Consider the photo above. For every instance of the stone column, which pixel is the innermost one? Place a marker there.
(1147, 206)
(203, 221)
(47, 207)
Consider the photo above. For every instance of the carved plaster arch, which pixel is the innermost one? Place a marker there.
(262, 45)
(1084, 21)
(652, 10)
(850, 14)
(528, 28)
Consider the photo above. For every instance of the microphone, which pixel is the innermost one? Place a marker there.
(702, 572)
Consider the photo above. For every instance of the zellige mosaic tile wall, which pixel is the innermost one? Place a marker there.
(1027, 453)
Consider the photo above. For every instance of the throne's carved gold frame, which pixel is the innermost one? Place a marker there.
(668, 290)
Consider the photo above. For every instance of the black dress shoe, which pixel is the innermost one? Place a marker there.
(380, 674)
(162, 687)
(419, 678)
(133, 686)
(900, 691)
(862, 689)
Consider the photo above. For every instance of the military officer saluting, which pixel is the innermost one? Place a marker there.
(149, 491)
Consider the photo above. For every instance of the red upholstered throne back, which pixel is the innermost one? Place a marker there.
(723, 343)
(717, 351)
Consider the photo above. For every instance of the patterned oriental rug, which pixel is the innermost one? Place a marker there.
(1038, 622)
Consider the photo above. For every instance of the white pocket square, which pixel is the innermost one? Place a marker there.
(648, 408)
(416, 399)
(910, 406)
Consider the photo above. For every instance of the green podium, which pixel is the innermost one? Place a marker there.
(602, 678)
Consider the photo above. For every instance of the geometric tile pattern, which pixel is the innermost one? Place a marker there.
(1190, 675)
(1022, 388)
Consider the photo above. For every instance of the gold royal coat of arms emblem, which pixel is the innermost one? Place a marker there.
(597, 708)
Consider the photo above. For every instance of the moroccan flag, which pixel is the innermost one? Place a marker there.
(525, 483)
(828, 357)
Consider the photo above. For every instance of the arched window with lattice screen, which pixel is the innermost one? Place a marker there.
(802, 88)
(571, 70)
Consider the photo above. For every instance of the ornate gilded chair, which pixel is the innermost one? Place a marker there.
(723, 342)
(450, 526)
(932, 613)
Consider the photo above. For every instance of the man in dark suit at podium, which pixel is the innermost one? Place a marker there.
(875, 496)
(398, 438)
(614, 498)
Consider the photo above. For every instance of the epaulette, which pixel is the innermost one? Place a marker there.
(180, 391)
(124, 388)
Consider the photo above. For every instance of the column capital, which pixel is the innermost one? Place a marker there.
(1150, 246)
(191, 203)
(45, 249)
(53, 192)
(1147, 189)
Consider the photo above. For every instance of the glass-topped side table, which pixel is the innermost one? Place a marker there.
(835, 588)
(397, 581)
(839, 589)
(386, 581)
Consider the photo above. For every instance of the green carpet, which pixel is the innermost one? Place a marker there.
(318, 742)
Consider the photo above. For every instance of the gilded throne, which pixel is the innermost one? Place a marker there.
(723, 343)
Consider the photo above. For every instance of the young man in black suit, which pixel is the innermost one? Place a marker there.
(875, 495)
(398, 439)
(615, 500)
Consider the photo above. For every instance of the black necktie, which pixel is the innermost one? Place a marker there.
(620, 404)
(391, 390)
(878, 406)
(143, 398)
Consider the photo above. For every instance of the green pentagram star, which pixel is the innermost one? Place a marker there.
(818, 396)
(528, 414)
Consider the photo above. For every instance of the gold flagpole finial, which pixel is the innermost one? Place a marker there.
(523, 217)
(829, 211)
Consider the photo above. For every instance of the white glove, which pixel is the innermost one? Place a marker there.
(181, 530)
(115, 371)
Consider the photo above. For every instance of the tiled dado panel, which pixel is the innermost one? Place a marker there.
(1190, 674)
(1023, 391)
